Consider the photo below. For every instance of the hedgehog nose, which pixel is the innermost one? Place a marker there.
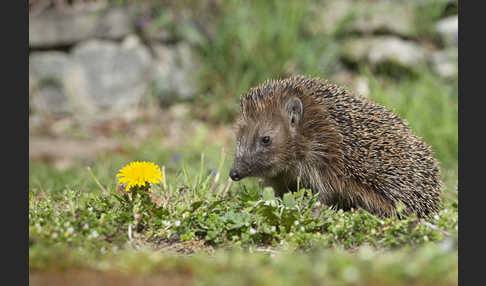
(235, 176)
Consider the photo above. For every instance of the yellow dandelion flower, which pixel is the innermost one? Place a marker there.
(139, 174)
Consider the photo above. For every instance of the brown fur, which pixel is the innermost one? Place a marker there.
(352, 151)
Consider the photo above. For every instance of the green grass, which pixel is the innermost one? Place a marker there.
(85, 228)
(194, 210)
(73, 224)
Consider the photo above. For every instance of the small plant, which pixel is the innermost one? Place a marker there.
(137, 190)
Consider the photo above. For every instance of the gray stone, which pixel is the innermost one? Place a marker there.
(112, 77)
(58, 28)
(47, 74)
(387, 17)
(448, 29)
(174, 72)
(329, 15)
(98, 80)
(383, 49)
(364, 17)
(445, 62)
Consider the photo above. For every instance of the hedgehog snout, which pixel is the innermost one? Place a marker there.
(240, 170)
(234, 175)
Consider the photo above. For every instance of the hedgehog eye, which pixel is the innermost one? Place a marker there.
(266, 140)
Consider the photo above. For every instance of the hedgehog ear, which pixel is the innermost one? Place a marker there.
(294, 110)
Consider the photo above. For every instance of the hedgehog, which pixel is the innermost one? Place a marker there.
(303, 132)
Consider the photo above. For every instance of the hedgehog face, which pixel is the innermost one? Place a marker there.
(257, 143)
(262, 145)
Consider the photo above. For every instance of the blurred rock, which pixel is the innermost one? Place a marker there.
(383, 17)
(113, 77)
(448, 29)
(330, 15)
(57, 27)
(366, 17)
(384, 49)
(445, 62)
(99, 79)
(47, 74)
(174, 72)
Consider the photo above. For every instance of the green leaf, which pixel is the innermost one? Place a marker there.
(289, 200)
(195, 205)
(268, 194)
